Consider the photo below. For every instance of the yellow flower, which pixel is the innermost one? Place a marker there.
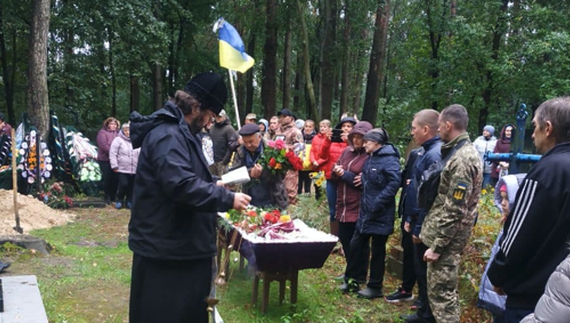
(483, 191)
(284, 218)
(319, 182)
(313, 174)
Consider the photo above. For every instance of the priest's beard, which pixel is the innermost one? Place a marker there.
(198, 123)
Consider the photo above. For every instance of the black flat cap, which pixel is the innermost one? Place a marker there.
(249, 129)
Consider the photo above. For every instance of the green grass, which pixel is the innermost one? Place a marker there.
(86, 277)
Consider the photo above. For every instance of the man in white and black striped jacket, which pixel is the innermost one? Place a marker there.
(537, 234)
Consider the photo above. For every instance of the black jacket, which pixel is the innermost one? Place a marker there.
(429, 154)
(537, 232)
(380, 182)
(223, 136)
(175, 198)
(407, 205)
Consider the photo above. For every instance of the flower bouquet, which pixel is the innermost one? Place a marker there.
(56, 196)
(277, 159)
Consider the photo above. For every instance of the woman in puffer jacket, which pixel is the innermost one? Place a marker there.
(123, 159)
(380, 180)
(554, 305)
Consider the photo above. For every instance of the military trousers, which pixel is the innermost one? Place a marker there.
(442, 279)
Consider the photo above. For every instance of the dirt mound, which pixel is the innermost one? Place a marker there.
(33, 214)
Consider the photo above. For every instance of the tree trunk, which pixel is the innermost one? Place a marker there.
(286, 82)
(112, 72)
(435, 36)
(498, 32)
(377, 62)
(345, 70)
(249, 79)
(299, 88)
(157, 93)
(135, 94)
(309, 82)
(269, 79)
(328, 53)
(37, 91)
(8, 72)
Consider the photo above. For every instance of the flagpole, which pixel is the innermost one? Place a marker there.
(235, 98)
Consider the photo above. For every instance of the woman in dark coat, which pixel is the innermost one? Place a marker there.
(503, 146)
(380, 180)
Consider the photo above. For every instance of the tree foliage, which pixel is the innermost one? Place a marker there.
(110, 57)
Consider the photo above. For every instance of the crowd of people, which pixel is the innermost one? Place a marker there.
(183, 149)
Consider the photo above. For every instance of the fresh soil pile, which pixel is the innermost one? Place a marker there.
(33, 214)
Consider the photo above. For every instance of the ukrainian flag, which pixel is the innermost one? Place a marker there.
(232, 50)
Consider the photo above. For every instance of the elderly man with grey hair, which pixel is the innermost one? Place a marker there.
(536, 234)
(265, 189)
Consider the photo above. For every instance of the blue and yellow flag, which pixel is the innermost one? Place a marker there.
(232, 49)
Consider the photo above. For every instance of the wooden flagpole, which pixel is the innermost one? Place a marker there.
(18, 228)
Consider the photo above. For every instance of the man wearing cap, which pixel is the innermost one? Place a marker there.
(293, 138)
(265, 188)
(172, 231)
(223, 136)
(250, 118)
(5, 128)
(483, 144)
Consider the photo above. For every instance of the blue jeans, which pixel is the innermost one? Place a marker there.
(331, 198)
(487, 180)
(514, 315)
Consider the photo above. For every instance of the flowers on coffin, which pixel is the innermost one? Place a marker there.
(268, 223)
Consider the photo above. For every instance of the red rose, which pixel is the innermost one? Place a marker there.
(272, 162)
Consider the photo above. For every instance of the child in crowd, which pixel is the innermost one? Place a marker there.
(124, 159)
(505, 192)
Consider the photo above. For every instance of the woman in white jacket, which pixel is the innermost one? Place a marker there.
(123, 159)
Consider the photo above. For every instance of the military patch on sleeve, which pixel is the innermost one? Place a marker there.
(459, 192)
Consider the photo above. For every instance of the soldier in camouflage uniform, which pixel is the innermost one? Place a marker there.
(447, 227)
(293, 138)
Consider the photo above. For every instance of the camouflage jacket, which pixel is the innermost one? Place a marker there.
(290, 135)
(448, 225)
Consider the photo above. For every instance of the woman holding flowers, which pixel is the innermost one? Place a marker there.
(347, 168)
